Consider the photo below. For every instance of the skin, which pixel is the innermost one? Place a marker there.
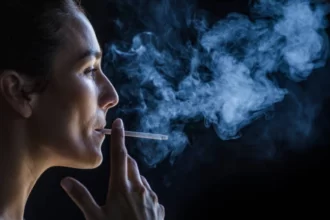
(75, 103)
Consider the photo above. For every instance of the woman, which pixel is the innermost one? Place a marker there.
(53, 95)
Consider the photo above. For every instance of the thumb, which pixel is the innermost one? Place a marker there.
(80, 196)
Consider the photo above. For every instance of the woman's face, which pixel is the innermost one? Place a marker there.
(75, 102)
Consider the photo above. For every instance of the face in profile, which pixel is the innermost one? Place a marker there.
(76, 101)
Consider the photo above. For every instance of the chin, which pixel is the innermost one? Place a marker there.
(81, 154)
(96, 163)
(86, 160)
(92, 162)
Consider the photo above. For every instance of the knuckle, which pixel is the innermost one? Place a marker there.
(121, 186)
(123, 151)
(118, 133)
(142, 190)
(145, 182)
(121, 135)
(120, 149)
(162, 208)
(143, 178)
(154, 197)
(131, 160)
(125, 187)
(139, 189)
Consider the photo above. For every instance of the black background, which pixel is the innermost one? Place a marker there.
(217, 178)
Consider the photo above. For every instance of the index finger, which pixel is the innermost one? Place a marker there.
(118, 154)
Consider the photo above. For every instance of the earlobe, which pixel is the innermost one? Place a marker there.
(12, 90)
(26, 107)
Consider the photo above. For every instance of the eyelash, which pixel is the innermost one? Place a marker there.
(91, 70)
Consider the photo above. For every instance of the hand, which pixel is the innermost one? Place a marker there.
(129, 197)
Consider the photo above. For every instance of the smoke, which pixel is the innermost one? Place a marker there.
(224, 73)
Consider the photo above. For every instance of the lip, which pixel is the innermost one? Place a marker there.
(100, 126)
(98, 131)
(99, 134)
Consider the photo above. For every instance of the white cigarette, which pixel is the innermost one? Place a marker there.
(138, 134)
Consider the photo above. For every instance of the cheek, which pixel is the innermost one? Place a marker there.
(64, 119)
(85, 106)
(82, 105)
(88, 99)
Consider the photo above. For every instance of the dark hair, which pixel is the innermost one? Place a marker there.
(30, 36)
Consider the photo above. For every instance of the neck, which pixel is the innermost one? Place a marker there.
(19, 173)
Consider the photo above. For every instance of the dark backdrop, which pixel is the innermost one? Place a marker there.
(220, 178)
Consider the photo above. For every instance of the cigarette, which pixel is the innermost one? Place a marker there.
(138, 134)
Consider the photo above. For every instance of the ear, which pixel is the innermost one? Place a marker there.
(13, 88)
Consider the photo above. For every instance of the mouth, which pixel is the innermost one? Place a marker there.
(99, 134)
(98, 130)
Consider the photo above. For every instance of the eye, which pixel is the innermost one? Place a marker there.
(91, 71)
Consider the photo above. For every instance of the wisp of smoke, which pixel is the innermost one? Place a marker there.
(226, 76)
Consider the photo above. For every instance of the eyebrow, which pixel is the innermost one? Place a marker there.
(90, 53)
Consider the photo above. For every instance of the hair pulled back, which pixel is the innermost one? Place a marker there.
(30, 36)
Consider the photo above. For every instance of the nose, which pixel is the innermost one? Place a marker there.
(108, 97)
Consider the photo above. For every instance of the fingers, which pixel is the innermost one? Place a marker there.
(161, 211)
(138, 182)
(125, 178)
(134, 174)
(153, 195)
(118, 154)
(145, 182)
(80, 196)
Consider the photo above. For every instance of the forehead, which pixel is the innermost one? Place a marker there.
(77, 37)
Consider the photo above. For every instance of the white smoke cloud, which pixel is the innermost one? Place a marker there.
(227, 77)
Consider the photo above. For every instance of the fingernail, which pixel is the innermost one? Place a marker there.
(66, 184)
(118, 123)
